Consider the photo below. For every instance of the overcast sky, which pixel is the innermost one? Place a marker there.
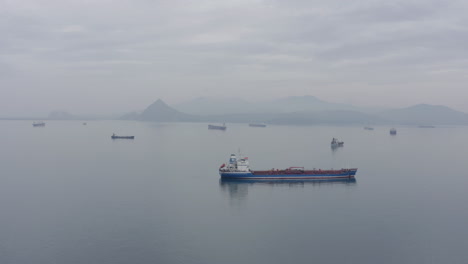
(103, 56)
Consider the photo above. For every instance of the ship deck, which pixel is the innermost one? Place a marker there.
(305, 172)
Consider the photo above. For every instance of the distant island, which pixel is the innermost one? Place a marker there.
(296, 110)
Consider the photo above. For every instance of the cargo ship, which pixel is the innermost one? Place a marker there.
(39, 124)
(393, 131)
(114, 136)
(223, 127)
(271, 182)
(239, 169)
(257, 125)
(336, 143)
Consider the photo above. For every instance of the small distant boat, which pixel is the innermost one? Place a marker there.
(39, 124)
(336, 143)
(257, 125)
(393, 131)
(223, 127)
(122, 137)
(84, 124)
(238, 168)
(368, 128)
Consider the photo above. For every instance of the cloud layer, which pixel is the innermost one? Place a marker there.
(109, 56)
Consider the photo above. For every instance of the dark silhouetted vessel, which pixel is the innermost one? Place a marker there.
(336, 143)
(122, 137)
(257, 125)
(223, 127)
(39, 124)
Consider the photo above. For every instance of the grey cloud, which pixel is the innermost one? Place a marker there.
(193, 47)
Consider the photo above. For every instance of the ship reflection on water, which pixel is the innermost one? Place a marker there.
(335, 148)
(238, 189)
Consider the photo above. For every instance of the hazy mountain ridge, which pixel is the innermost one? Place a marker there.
(307, 103)
(422, 114)
(234, 105)
(425, 114)
(64, 115)
(221, 106)
(61, 115)
(337, 117)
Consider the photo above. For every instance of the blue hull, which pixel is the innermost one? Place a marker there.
(295, 181)
(245, 176)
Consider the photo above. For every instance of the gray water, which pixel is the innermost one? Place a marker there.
(70, 194)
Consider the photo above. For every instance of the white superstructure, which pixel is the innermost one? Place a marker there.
(237, 165)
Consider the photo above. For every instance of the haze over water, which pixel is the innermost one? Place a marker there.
(70, 194)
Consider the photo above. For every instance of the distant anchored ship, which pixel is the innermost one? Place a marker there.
(257, 125)
(393, 131)
(223, 127)
(114, 136)
(239, 169)
(336, 143)
(38, 124)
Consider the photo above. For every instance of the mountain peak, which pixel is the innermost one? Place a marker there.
(159, 102)
(160, 111)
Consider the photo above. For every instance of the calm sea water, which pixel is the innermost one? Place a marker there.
(69, 194)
